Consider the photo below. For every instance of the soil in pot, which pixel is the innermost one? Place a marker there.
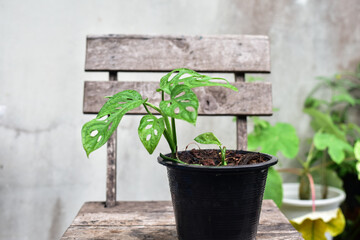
(211, 157)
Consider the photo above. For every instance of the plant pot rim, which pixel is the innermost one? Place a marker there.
(340, 196)
(249, 167)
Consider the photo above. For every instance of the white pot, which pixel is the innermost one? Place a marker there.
(293, 207)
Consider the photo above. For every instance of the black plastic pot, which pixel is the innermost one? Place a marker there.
(221, 203)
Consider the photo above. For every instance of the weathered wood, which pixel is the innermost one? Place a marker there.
(241, 122)
(251, 99)
(111, 170)
(241, 135)
(155, 220)
(111, 161)
(226, 53)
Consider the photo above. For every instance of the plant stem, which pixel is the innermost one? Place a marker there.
(147, 110)
(170, 142)
(167, 131)
(324, 186)
(154, 107)
(310, 156)
(172, 159)
(223, 155)
(174, 137)
(312, 186)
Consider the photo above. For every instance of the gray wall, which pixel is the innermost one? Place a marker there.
(44, 173)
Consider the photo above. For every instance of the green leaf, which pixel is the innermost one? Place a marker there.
(336, 147)
(322, 121)
(150, 130)
(273, 139)
(357, 150)
(260, 123)
(311, 102)
(273, 187)
(208, 138)
(332, 179)
(344, 97)
(96, 132)
(249, 78)
(183, 104)
(357, 156)
(191, 79)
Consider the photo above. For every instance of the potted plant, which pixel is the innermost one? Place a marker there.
(334, 152)
(217, 194)
(302, 202)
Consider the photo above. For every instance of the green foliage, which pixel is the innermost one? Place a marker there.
(249, 78)
(324, 122)
(273, 187)
(210, 138)
(183, 104)
(190, 79)
(357, 150)
(269, 139)
(357, 156)
(96, 132)
(336, 147)
(331, 178)
(150, 130)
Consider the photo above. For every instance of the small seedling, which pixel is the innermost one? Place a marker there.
(210, 138)
(182, 104)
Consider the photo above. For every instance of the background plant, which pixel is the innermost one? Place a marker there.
(333, 151)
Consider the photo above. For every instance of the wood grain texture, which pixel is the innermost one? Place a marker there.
(252, 99)
(241, 122)
(225, 53)
(155, 220)
(111, 168)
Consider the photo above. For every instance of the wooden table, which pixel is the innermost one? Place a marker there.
(155, 220)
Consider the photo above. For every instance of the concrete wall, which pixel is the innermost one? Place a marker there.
(44, 173)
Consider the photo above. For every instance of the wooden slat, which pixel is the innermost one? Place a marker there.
(226, 53)
(252, 99)
(111, 170)
(155, 220)
(111, 161)
(241, 122)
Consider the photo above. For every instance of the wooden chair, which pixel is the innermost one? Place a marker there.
(134, 53)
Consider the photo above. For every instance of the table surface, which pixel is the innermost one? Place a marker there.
(155, 220)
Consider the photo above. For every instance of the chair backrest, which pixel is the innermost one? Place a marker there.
(237, 54)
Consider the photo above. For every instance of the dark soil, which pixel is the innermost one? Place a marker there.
(211, 157)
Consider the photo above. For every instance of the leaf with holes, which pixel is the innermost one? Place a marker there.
(191, 79)
(96, 132)
(183, 104)
(208, 138)
(150, 130)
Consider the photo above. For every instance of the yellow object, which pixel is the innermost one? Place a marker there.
(314, 225)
